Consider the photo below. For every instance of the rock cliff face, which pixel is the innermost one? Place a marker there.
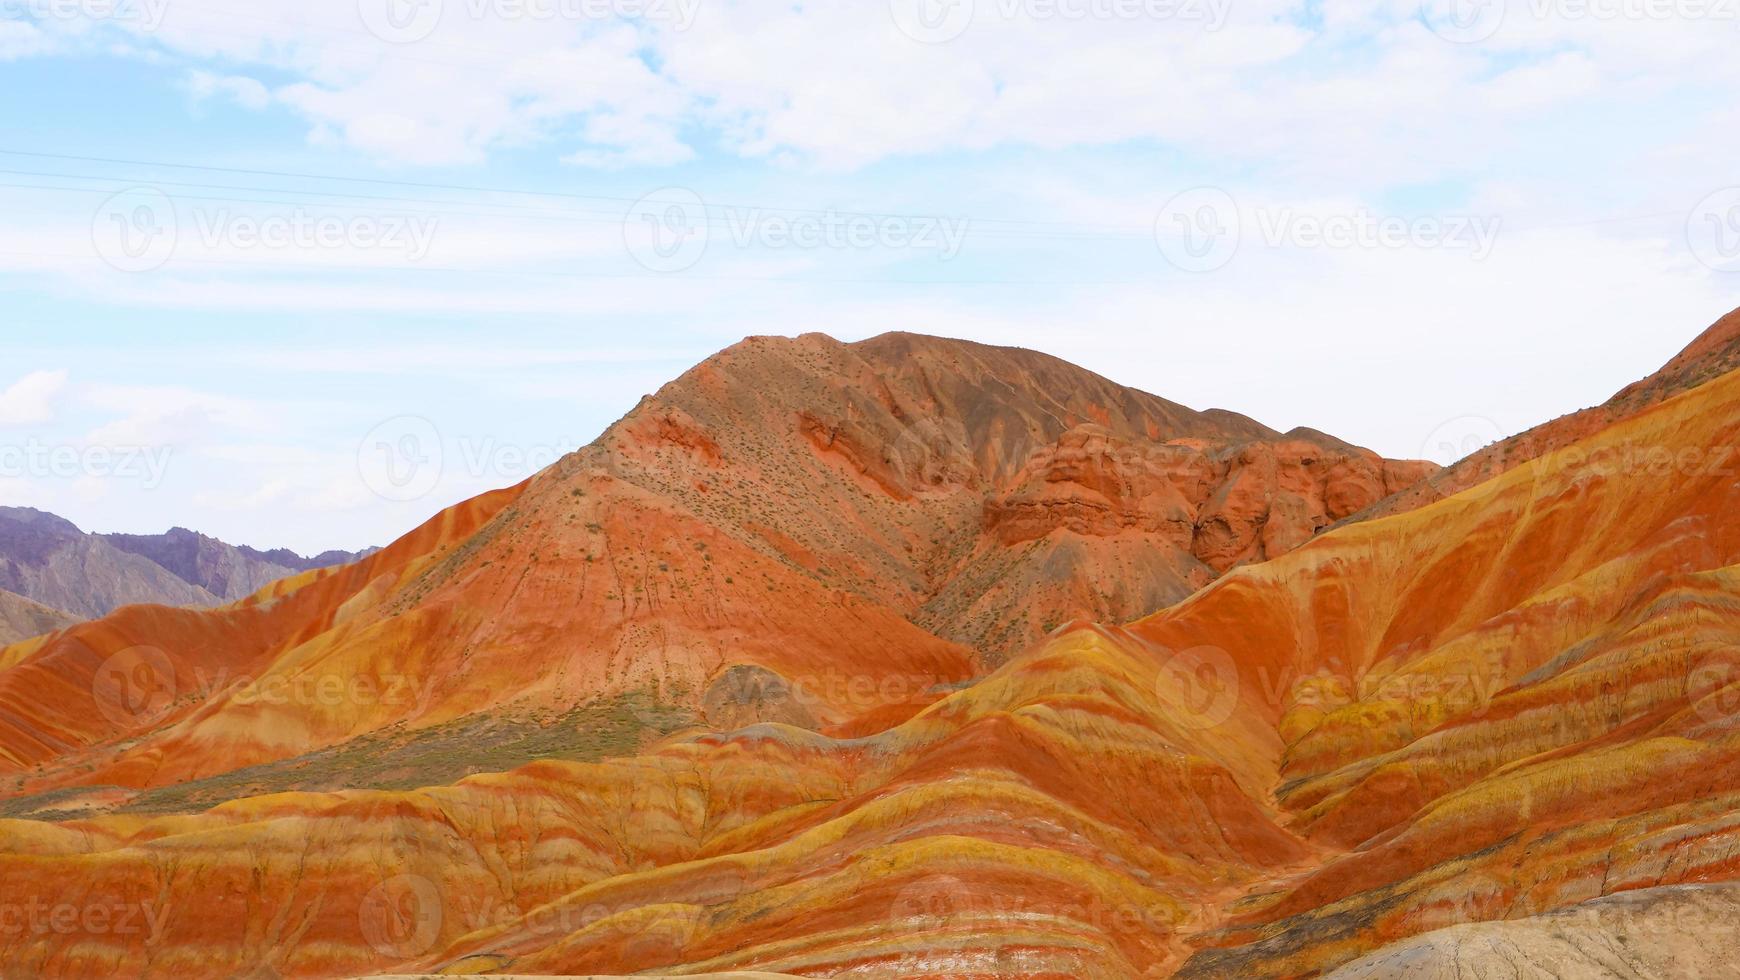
(671, 708)
(1099, 527)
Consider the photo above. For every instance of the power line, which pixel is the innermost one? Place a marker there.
(444, 207)
(666, 277)
(975, 225)
(483, 189)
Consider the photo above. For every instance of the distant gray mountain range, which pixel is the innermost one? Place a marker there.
(50, 562)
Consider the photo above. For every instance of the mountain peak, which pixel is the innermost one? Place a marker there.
(39, 520)
(914, 459)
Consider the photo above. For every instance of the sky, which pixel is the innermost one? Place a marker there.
(302, 272)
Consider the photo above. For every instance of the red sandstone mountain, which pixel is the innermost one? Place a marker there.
(1487, 707)
(791, 508)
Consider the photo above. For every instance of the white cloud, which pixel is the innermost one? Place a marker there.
(162, 415)
(249, 93)
(19, 39)
(30, 399)
(840, 86)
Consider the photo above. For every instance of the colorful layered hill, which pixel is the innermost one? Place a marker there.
(744, 546)
(1500, 707)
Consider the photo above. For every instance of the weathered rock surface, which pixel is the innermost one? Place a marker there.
(1684, 932)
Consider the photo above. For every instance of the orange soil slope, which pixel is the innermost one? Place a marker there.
(1514, 699)
(1510, 700)
(830, 535)
(1042, 821)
